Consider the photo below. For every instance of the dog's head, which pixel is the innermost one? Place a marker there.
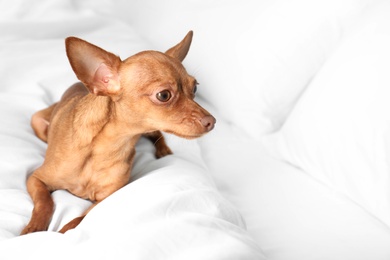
(151, 90)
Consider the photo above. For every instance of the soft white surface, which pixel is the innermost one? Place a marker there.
(316, 70)
(339, 131)
(288, 212)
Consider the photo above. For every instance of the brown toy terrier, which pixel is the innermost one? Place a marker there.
(92, 131)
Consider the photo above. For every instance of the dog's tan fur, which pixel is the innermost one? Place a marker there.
(92, 131)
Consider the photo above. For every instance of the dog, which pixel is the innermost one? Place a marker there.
(92, 131)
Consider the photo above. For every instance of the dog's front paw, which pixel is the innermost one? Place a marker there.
(34, 227)
(161, 146)
(162, 150)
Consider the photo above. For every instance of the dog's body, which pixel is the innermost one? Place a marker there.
(92, 131)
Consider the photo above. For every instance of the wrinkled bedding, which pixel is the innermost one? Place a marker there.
(297, 167)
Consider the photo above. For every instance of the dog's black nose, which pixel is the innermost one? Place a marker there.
(208, 122)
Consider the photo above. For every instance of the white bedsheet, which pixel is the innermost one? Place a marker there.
(290, 214)
(170, 210)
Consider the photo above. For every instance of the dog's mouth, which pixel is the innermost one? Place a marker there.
(185, 136)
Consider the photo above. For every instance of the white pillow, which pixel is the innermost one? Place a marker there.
(253, 59)
(339, 131)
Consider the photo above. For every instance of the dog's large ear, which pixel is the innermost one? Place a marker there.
(180, 50)
(95, 67)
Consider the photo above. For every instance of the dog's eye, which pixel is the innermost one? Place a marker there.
(164, 96)
(195, 88)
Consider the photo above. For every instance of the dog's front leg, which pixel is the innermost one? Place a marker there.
(43, 206)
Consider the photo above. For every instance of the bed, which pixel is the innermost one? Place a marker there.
(297, 166)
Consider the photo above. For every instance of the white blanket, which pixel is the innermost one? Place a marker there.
(170, 210)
